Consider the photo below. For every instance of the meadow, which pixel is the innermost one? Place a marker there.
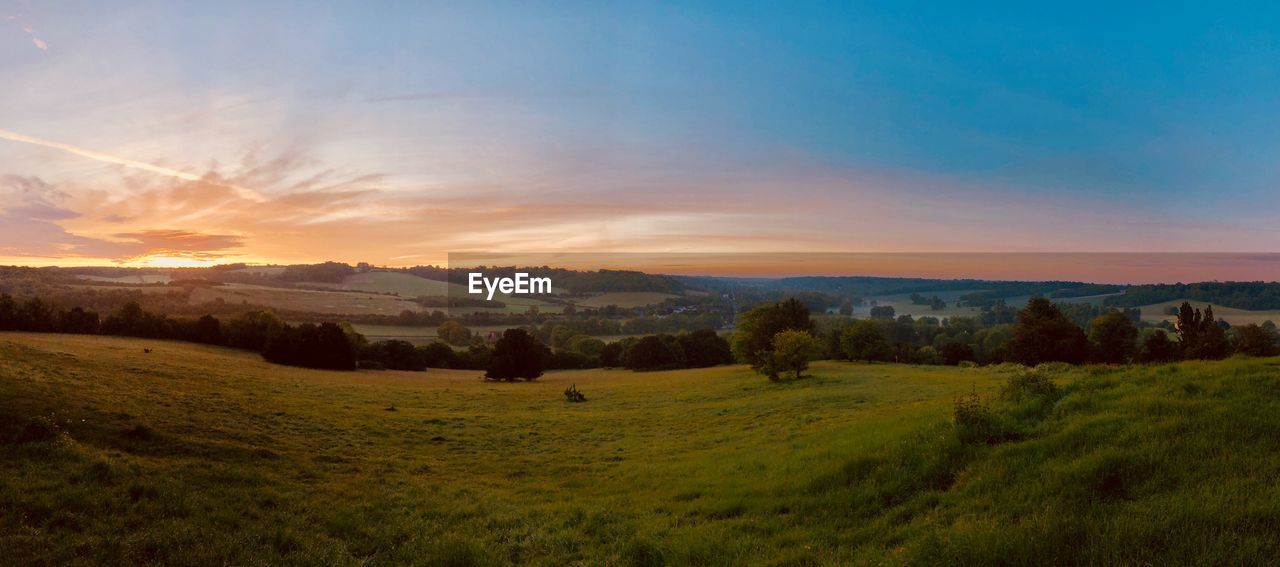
(192, 454)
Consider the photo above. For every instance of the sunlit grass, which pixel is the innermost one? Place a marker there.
(191, 454)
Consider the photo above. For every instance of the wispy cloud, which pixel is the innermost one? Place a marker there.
(104, 157)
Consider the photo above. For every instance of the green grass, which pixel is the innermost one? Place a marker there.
(193, 454)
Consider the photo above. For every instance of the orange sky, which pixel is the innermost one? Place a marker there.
(232, 136)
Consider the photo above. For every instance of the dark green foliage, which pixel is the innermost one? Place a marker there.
(955, 352)
(438, 355)
(1200, 335)
(251, 330)
(312, 346)
(1240, 295)
(394, 355)
(78, 321)
(1114, 338)
(1255, 340)
(208, 330)
(704, 348)
(517, 355)
(865, 340)
(611, 355)
(882, 312)
(654, 352)
(1043, 334)
(793, 350)
(1157, 348)
(753, 341)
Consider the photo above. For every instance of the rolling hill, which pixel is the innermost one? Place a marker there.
(190, 454)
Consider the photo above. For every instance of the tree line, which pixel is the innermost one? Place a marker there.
(782, 338)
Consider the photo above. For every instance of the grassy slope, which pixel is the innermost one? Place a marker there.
(239, 461)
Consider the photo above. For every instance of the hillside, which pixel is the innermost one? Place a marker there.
(192, 454)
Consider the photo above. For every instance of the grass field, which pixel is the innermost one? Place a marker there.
(199, 455)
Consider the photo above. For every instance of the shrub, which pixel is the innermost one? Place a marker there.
(44, 429)
(974, 420)
(574, 395)
(1028, 384)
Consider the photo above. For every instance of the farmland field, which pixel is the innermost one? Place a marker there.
(138, 279)
(313, 301)
(625, 299)
(1159, 312)
(200, 455)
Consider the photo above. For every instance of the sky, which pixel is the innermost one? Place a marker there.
(188, 133)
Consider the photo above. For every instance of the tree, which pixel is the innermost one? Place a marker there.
(1114, 338)
(208, 330)
(846, 307)
(792, 351)
(587, 345)
(438, 355)
(753, 341)
(252, 329)
(78, 321)
(1044, 334)
(703, 348)
(517, 355)
(864, 340)
(611, 355)
(882, 312)
(1200, 334)
(1157, 348)
(654, 352)
(397, 355)
(955, 352)
(1254, 340)
(312, 346)
(452, 332)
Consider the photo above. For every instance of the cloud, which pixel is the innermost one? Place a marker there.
(126, 162)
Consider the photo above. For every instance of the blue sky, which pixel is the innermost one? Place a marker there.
(431, 127)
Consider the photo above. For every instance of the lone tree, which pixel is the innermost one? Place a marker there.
(1114, 338)
(1044, 334)
(753, 341)
(517, 355)
(792, 351)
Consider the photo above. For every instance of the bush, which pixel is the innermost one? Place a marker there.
(44, 429)
(974, 421)
(574, 395)
(1028, 384)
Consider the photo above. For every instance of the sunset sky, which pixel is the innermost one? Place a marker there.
(172, 133)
